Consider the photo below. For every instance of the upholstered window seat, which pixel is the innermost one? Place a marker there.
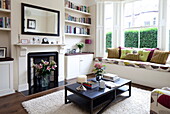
(138, 64)
(144, 73)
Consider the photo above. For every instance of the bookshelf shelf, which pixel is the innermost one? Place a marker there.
(77, 11)
(78, 23)
(5, 10)
(71, 34)
(5, 29)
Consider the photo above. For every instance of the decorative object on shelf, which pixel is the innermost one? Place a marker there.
(43, 71)
(81, 79)
(99, 70)
(88, 41)
(31, 23)
(3, 51)
(24, 41)
(80, 46)
(45, 41)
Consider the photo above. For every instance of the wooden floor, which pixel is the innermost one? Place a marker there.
(11, 104)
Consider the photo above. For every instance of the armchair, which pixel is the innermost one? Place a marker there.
(160, 101)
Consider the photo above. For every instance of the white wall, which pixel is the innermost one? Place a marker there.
(16, 28)
(69, 41)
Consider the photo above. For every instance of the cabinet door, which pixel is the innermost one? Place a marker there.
(4, 76)
(72, 66)
(86, 64)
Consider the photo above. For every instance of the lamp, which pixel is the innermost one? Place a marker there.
(88, 41)
(81, 79)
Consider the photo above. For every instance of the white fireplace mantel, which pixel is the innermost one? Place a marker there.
(22, 52)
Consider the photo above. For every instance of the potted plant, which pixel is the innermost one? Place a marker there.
(99, 70)
(43, 71)
(80, 46)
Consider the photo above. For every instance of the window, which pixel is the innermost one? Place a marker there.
(140, 24)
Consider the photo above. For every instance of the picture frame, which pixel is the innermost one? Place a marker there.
(24, 41)
(3, 52)
(31, 23)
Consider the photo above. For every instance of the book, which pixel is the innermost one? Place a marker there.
(90, 84)
(110, 77)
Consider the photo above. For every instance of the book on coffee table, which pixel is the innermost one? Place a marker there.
(90, 84)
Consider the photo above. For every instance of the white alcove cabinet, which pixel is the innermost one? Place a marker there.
(6, 78)
(76, 65)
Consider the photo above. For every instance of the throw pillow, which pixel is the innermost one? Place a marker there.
(124, 52)
(159, 57)
(143, 55)
(113, 52)
(151, 53)
(130, 56)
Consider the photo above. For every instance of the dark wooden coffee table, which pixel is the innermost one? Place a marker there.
(93, 98)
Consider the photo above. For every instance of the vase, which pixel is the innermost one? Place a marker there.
(80, 50)
(45, 80)
(98, 77)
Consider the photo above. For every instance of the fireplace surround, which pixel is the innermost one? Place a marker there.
(21, 69)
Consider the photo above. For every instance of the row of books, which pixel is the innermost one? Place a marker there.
(5, 22)
(77, 30)
(90, 84)
(73, 6)
(5, 4)
(76, 19)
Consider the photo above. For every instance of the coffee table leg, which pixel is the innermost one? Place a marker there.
(66, 96)
(91, 107)
(129, 89)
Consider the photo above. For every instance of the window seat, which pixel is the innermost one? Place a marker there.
(138, 64)
(144, 73)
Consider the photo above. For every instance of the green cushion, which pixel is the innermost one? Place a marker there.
(143, 55)
(124, 52)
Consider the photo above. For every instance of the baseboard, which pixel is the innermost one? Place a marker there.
(23, 87)
(6, 92)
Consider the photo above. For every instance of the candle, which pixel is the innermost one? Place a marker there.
(82, 78)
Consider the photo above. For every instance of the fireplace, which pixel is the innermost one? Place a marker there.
(33, 81)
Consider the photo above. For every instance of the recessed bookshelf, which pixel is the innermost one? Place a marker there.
(5, 29)
(5, 10)
(71, 34)
(78, 23)
(77, 11)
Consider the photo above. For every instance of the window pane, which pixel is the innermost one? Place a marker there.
(139, 19)
(141, 13)
(108, 24)
(131, 38)
(148, 38)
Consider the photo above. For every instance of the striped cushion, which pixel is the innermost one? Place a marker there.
(159, 57)
(130, 56)
(113, 52)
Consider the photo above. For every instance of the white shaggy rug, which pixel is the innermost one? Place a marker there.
(138, 103)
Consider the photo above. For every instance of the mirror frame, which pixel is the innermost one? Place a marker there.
(23, 5)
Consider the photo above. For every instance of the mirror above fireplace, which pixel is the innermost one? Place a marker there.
(39, 21)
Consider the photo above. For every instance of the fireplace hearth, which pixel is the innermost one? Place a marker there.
(33, 82)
